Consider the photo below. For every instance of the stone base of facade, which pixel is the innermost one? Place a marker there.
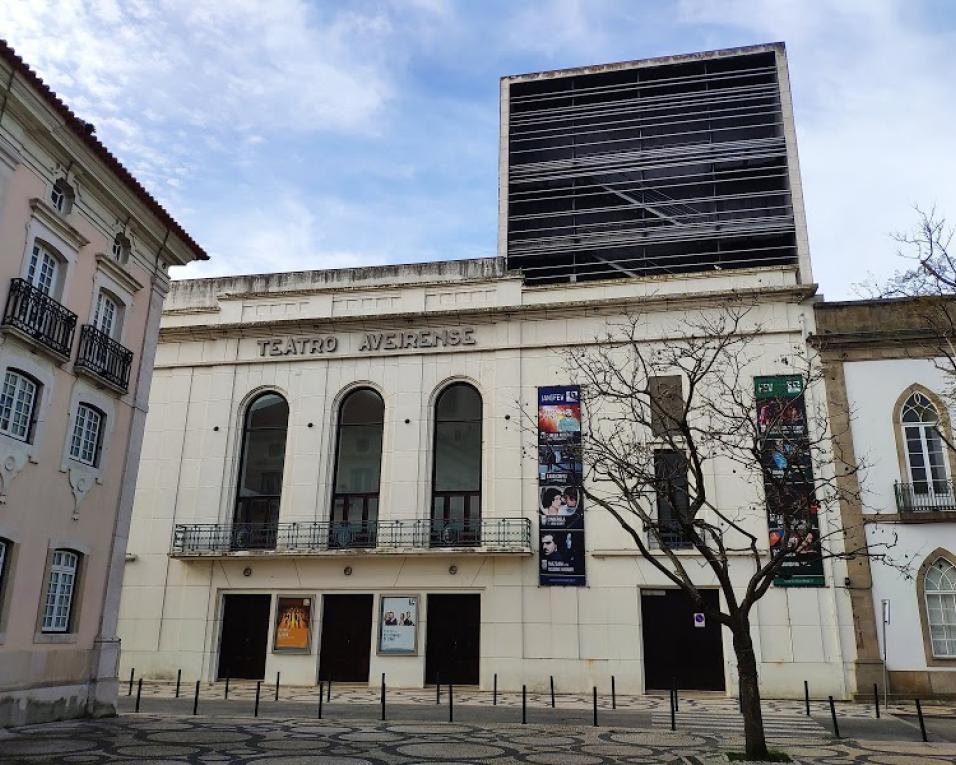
(56, 702)
(923, 684)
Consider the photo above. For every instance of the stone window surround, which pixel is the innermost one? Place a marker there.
(76, 602)
(9, 565)
(82, 476)
(931, 659)
(64, 241)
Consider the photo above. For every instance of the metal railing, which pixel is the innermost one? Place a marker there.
(35, 314)
(498, 534)
(925, 497)
(672, 537)
(104, 357)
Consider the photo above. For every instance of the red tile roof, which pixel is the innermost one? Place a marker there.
(84, 132)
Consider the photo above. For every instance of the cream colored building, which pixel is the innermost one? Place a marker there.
(338, 479)
(85, 253)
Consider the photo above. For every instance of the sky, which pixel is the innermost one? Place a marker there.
(298, 134)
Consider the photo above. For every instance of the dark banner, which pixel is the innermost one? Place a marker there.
(792, 511)
(560, 501)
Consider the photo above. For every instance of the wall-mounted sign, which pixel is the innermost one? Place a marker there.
(368, 342)
(293, 625)
(398, 624)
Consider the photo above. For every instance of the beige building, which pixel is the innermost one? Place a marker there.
(84, 272)
(338, 479)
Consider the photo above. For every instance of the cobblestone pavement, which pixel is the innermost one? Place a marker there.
(210, 741)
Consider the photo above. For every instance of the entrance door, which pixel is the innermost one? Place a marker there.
(346, 638)
(676, 649)
(245, 633)
(451, 642)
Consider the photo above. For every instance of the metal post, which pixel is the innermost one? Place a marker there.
(131, 673)
(922, 723)
(451, 703)
(179, 677)
(594, 695)
(524, 704)
(674, 689)
(876, 698)
(836, 726)
(552, 691)
(437, 689)
(255, 712)
(494, 691)
(383, 695)
(328, 695)
(321, 693)
(139, 692)
(196, 699)
(226, 694)
(277, 686)
(613, 694)
(673, 716)
(806, 696)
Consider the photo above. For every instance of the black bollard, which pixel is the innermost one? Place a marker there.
(594, 695)
(179, 677)
(277, 686)
(139, 692)
(674, 689)
(226, 694)
(524, 704)
(451, 703)
(552, 691)
(437, 689)
(836, 726)
(255, 712)
(328, 695)
(806, 696)
(196, 699)
(613, 694)
(321, 693)
(922, 723)
(494, 691)
(131, 673)
(383, 695)
(876, 700)
(673, 715)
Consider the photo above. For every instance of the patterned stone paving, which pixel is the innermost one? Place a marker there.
(210, 741)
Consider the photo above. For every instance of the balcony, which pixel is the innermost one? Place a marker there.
(672, 537)
(40, 319)
(926, 500)
(317, 538)
(104, 359)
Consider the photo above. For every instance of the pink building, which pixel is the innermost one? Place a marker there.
(84, 259)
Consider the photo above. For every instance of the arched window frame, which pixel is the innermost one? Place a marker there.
(353, 516)
(945, 425)
(932, 660)
(85, 443)
(14, 422)
(45, 268)
(250, 530)
(61, 591)
(446, 529)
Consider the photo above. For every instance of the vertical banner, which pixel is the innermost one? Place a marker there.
(397, 624)
(293, 625)
(560, 500)
(792, 510)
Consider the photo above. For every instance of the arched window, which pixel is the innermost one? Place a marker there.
(456, 477)
(19, 399)
(58, 608)
(42, 271)
(940, 588)
(358, 467)
(86, 441)
(260, 471)
(925, 451)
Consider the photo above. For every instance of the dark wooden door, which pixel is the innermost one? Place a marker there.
(346, 638)
(245, 633)
(674, 649)
(452, 639)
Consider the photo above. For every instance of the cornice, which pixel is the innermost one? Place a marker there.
(50, 218)
(117, 273)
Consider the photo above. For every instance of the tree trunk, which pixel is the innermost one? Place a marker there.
(756, 742)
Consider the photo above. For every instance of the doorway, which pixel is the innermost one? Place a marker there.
(452, 639)
(676, 646)
(346, 638)
(244, 638)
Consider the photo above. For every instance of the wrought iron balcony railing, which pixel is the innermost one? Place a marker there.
(925, 497)
(103, 357)
(672, 537)
(490, 534)
(40, 318)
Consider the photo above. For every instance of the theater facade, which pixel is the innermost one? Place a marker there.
(362, 471)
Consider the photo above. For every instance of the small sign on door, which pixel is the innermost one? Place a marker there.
(699, 621)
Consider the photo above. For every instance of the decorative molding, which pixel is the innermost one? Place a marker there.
(82, 479)
(9, 154)
(117, 273)
(50, 218)
(14, 455)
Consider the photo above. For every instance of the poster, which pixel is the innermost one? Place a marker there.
(293, 625)
(561, 549)
(792, 511)
(398, 624)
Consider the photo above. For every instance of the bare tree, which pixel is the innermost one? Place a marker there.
(652, 457)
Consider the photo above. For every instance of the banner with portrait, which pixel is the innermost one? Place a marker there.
(398, 624)
(792, 510)
(561, 548)
(293, 631)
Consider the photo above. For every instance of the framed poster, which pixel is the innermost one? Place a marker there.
(293, 633)
(398, 624)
